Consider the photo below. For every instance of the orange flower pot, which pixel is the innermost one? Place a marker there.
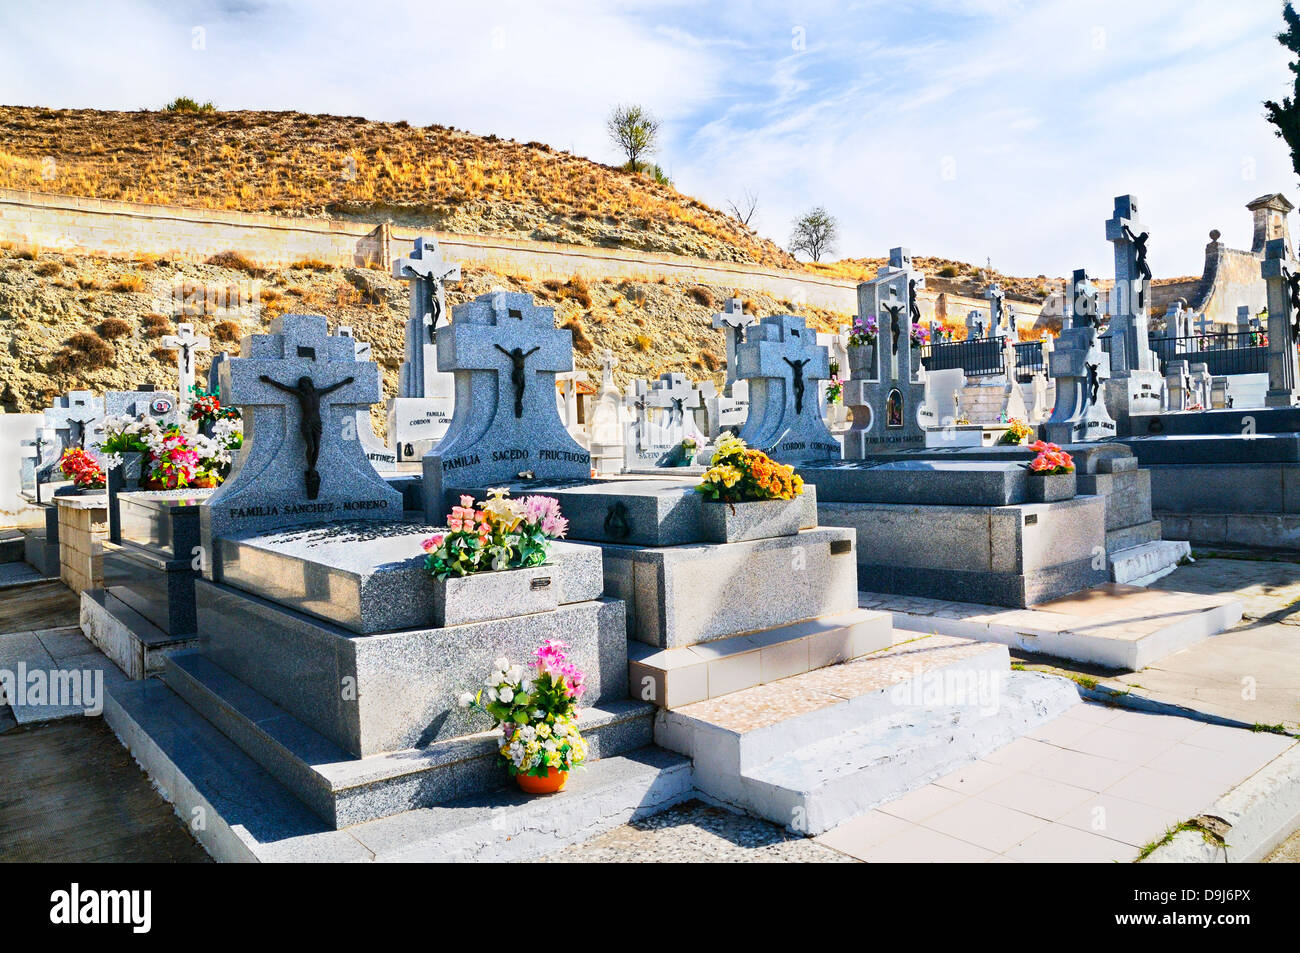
(553, 781)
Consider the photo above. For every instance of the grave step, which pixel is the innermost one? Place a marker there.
(134, 644)
(343, 790)
(238, 812)
(810, 751)
(1143, 564)
(12, 546)
(1135, 535)
(672, 678)
(41, 554)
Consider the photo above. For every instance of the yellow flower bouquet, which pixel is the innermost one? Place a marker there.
(741, 474)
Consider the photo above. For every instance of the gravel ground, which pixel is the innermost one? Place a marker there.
(695, 832)
(1287, 852)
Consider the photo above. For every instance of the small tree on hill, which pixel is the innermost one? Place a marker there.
(743, 211)
(815, 233)
(635, 130)
(1285, 116)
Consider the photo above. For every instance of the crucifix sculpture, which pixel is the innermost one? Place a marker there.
(1293, 300)
(518, 377)
(310, 426)
(797, 367)
(895, 326)
(1144, 270)
(914, 306)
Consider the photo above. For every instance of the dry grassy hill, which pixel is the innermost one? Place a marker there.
(98, 323)
(290, 163)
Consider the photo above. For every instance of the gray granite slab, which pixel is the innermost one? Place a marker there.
(368, 576)
(934, 482)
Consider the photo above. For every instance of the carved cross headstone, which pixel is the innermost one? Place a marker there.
(975, 322)
(504, 351)
(732, 320)
(187, 345)
(1282, 276)
(1176, 325)
(995, 296)
(1081, 369)
(607, 420)
(888, 403)
(427, 272)
(1130, 301)
(782, 363)
(664, 418)
(300, 390)
(1244, 318)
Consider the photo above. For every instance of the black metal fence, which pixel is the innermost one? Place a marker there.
(982, 357)
(1232, 352)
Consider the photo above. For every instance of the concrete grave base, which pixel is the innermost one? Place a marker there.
(131, 641)
(372, 693)
(1000, 555)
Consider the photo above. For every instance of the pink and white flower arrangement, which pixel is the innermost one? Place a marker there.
(499, 533)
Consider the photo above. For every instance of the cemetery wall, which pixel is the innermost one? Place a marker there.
(1230, 278)
(112, 228)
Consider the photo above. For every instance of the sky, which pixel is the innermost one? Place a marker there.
(981, 130)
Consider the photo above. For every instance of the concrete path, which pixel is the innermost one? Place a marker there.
(1249, 675)
(1097, 784)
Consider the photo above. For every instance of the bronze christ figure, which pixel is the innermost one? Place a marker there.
(517, 376)
(310, 425)
(797, 367)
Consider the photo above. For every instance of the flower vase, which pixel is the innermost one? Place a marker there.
(862, 361)
(132, 470)
(553, 781)
(1050, 487)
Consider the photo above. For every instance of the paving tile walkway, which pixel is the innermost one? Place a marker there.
(1094, 785)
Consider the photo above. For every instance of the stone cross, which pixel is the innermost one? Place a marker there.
(1081, 369)
(187, 345)
(782, 362)
(975, 321)
(1244, 319)
(606, 426)
(504, 352)
(607, 364)
(1129, 323)
(1204, 326)
(1176, 320)
(664, 418)
(300, 390)
(732, 321)
(427, 272)
(1282, 276)
(995, 296)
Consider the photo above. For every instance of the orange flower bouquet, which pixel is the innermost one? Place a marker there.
(1051, 459)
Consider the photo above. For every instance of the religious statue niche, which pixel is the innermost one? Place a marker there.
(797, 377)
(518, 378)
(894, 409)
(311, 428)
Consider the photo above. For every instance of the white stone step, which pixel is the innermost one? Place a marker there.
(810, 751)
(1143, 564)
(814, 788)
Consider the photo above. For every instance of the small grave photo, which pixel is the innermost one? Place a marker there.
(649, 434)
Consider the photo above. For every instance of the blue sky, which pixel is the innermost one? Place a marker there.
(969, 129)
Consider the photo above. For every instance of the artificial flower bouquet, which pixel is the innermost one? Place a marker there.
(536, 710)
(741, 474)
(864, 331)
(82, 469)
(173, 461)
(1051, 459)
(124, 434)
(920, 335)
(835, 386)
(497, 534)
(1016, 433)
(206, 409)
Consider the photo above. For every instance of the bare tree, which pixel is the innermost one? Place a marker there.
(635, 130)
(743, 211)
(815, 233)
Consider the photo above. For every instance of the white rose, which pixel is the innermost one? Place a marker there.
(501, 664)
(506, 695)
(465, 700)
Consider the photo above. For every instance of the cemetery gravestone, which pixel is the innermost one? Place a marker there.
(889, 407)
(1135, 369)
(504, 352)
(782, 363)
(1282, 277)
(187, 345)
(300, 390)
(733, 321)
(995, 296)
(420, 414)
(607, 420)
(664, 418)
(1081, 369)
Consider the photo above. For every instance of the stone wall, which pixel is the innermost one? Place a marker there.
(82, 531)
(111, 228)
